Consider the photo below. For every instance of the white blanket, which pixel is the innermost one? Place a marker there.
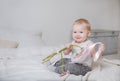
(25, 65)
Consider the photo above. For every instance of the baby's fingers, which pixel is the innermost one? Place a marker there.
(102, 47)
(68, 45)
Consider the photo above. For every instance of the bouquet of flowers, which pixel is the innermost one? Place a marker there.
(52, 55)
(55, 53)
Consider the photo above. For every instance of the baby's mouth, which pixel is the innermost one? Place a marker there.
(78, 37)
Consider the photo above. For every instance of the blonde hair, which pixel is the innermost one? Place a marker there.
(83, 21)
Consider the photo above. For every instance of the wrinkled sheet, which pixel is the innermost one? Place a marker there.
(25, 65)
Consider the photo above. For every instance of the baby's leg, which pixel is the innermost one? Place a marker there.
(77, 69)
(59, 62)
(59, 68)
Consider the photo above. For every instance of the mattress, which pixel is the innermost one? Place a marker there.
(25, 65)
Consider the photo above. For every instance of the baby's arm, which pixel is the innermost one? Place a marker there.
(101, 48)
(69, 49)
(93, 51)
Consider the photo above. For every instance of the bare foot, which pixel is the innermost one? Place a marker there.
(64, 73)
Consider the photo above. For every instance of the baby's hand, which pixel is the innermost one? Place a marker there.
(102, 47)
(69, 49)
(68, 45)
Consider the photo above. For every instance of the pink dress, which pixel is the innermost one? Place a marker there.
(85, 56)
(78, 65)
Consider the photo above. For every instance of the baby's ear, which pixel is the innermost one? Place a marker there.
(89, 33)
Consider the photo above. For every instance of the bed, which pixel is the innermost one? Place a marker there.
(22, 60)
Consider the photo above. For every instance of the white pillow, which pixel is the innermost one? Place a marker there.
(23, 37)
(8, 44)
(30, 41)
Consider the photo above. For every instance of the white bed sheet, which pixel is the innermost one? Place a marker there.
(24, 64)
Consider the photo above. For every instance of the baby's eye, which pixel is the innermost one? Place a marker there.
(81, 32)
(74, 32)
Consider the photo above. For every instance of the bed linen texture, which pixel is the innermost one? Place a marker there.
(24, 64)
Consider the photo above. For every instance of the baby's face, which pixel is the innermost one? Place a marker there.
(80, 33)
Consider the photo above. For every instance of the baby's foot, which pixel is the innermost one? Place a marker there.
(64, 73)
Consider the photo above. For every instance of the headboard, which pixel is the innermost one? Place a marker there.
(108, 37)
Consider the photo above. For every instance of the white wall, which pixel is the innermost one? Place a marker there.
(55, 17)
